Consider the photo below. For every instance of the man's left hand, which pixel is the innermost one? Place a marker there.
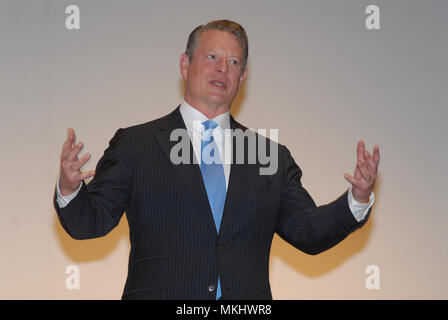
(365, 173)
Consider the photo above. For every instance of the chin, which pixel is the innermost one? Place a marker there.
(217, 100)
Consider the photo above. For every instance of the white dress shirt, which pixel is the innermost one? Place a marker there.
(222, 135)
(193, 122)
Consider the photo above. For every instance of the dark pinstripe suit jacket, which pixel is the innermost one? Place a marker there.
(176, 252)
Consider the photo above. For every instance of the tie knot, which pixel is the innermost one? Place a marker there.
(209, 124)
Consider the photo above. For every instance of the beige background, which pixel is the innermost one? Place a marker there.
(315, 73)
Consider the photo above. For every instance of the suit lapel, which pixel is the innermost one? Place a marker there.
(189, 174)
(240, 175)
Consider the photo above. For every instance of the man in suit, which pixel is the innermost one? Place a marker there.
(203, 230)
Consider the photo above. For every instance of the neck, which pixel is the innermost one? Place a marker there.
(210, 111)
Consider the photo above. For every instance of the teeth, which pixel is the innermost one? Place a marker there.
(219, 84)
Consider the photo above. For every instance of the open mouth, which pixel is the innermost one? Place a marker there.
(218, 84)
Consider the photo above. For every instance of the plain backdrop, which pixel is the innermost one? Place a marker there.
(315, 73)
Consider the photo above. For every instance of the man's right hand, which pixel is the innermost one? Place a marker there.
(70, 173)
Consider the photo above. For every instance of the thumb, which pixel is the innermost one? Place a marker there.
(349, 178)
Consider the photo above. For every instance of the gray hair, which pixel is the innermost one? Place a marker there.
(222, 25)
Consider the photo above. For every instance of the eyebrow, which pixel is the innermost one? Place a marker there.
(231, 57)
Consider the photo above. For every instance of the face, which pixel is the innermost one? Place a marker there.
(214, 76)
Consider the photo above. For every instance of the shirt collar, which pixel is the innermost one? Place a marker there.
(192, 115)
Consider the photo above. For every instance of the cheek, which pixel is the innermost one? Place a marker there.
(201, 71)
(236, 80)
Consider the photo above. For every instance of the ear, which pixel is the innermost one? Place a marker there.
(242, 78)
(184, 65)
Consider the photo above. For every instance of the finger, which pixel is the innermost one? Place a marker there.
(80, 162)
(86, 174)
(351, 179)
(364, 171)
(65, 150)
(73, 153)
(360, 151)
(357, 174)
(372, 166)
(376, 154)
(68, 143)
(71, 136)
(71, 132)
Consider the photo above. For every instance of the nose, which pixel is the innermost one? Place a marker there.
(221, 65)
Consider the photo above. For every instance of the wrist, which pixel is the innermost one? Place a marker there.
(67, 191)
(361, 197)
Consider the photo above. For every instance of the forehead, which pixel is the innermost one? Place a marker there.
(220, 40)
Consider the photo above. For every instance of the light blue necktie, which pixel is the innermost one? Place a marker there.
(214, 179)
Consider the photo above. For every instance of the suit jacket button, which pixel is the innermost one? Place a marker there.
(219, 246)
(211, 288)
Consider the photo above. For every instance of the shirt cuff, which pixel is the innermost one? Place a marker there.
(358, 209)
(63, 201)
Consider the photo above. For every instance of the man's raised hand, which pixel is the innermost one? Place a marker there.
(70, 171)
(365, 173)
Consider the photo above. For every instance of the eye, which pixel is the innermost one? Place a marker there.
(234, 62)
(211, 56)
